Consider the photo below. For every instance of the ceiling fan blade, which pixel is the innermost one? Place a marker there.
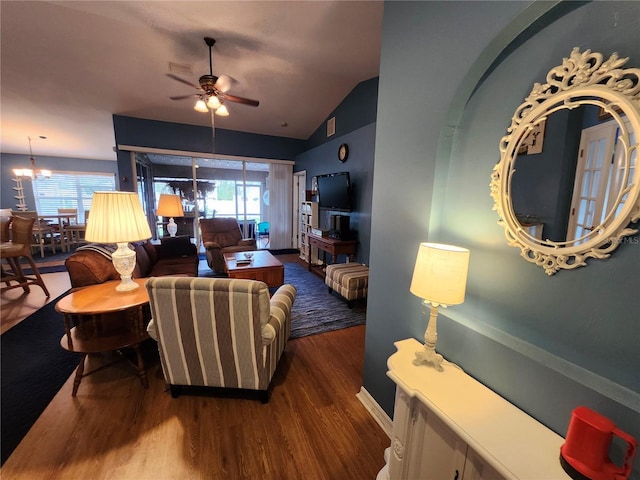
(245, 101)
(182, 97)
(182, 80)
(225, 83)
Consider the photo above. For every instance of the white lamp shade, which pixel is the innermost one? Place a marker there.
(222, 111)
(169, 206)
(213, 102)
(117, 217)
(200, 106)
(440, 274)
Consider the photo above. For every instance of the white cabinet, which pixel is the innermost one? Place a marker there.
(308, 220)
(448, 426)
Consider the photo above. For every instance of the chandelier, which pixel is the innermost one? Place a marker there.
(32, 172)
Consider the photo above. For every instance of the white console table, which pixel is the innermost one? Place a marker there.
(448, 426)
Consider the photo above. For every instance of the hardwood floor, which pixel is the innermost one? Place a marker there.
(17, 305)
(314, 427)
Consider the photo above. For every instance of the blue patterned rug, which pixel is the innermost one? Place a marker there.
(315, 310)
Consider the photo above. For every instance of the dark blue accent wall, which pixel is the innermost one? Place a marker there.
(357, 110)
(324, 159)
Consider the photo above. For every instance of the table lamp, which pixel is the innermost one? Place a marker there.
(117, 217)
(439, 279)
(170, 206)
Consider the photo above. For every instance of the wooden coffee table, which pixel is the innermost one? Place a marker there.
(263, 267)
(100, 319)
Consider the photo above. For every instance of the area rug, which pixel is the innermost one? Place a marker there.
(315, 310)
(34, 368)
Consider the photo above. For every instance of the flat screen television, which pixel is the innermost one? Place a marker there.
(334, 191)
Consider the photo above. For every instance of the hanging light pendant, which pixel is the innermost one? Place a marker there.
(200, 106)
(32, 172)
(213, 103)
(222, 111)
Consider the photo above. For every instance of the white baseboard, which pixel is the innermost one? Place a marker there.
(378, 414)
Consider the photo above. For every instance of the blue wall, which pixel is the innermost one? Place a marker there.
(355, 125)
(324, 159)
(548, 344)
(9, 161)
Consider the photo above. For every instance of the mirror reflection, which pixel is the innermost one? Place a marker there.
(569, 173)
(567, 186)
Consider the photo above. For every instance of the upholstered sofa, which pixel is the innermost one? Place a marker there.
(234, 342)
(220, 236)
(91, 263)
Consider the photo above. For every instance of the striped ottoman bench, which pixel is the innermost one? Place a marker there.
(350, 280)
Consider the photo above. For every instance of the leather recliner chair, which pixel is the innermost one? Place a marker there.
(220, 236)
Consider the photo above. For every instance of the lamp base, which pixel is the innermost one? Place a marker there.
(428, 355)
(172, 227)
(124, 261)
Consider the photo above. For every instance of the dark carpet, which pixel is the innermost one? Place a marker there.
(34, 368)
(315, 309)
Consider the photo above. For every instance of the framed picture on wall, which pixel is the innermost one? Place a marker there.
(532, 143)
(603, 115)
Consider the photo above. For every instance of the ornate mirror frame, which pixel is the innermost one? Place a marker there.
(583, 78)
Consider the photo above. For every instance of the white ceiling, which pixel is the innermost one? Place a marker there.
(66, 67)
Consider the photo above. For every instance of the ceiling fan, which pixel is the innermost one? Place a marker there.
(213, 91)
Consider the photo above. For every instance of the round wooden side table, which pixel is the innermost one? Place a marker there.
(98, 318)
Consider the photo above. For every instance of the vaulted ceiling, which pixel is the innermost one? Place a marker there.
(67, 67)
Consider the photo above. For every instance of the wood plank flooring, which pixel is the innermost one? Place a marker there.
(314, 427)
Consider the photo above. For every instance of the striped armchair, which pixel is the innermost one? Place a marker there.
(219, 332)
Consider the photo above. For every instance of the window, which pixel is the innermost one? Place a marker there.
(70, 190)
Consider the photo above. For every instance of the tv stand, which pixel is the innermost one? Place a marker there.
(334, 247)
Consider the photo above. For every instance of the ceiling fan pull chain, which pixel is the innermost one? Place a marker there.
(213, 132)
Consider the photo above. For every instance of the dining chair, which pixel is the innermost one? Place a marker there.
(73, 230)
(43, 234)
(20, 248)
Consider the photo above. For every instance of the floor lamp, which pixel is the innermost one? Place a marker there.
(170, 206)
(117, 217)
(439, 279)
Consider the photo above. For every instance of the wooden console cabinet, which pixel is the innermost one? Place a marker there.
(334, 247)
(448, 426)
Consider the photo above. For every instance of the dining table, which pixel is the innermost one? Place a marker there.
(60, 218)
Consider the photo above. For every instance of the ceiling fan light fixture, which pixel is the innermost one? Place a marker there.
(213, 103)
(222, 111)
(200, 106)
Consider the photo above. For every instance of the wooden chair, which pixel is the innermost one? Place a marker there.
(42, 232)
(73, 230)
(14, 251)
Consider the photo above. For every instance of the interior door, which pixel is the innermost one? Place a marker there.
(593, 177)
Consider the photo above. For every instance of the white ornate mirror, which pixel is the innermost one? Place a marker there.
(604, 188)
